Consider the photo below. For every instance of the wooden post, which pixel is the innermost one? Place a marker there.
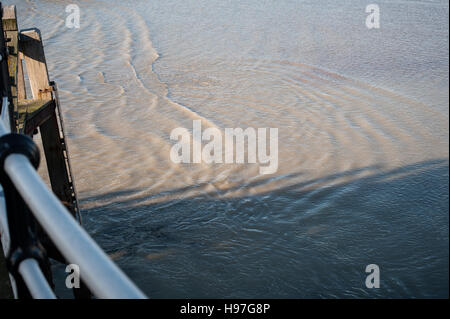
(9, 23)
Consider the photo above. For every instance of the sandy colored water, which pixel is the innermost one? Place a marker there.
(363, 142)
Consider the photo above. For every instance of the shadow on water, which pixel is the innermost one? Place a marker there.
(312, 238)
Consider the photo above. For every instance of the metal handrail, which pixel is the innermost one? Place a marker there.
(35, 280)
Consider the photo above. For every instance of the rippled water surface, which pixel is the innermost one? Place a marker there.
(363, 142)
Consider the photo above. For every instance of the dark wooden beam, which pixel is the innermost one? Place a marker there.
(9, 23)
(54, 154)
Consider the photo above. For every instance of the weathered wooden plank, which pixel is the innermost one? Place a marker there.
(30, 106)
(9, 18)
(33, 53)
